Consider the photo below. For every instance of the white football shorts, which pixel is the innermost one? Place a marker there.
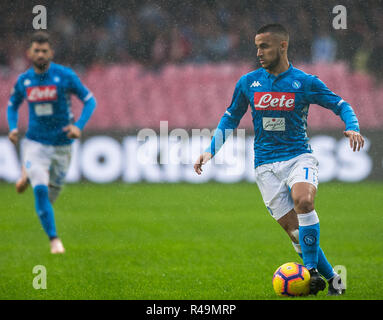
(45, 164)
(276, 179)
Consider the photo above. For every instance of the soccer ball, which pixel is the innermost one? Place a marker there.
(291, 279)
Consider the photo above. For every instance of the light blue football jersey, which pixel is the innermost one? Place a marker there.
(279, 107)
(48, 97)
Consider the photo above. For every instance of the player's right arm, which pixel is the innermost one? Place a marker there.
(14, 103)
(229, 121)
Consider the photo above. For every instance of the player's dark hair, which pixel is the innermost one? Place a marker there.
(40, 37)
(274, 28)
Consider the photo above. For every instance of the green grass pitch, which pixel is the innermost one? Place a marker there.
(181, 241)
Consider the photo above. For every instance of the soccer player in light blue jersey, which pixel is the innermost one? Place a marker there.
(286, 172)
(46, 150)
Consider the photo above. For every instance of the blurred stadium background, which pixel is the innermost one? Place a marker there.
(178, 61)
(174, 61)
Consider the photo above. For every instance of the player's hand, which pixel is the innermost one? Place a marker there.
(202, 159)
(14, 136)
(356, 139)
(73, 132)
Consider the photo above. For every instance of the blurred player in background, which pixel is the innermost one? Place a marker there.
(46, 150)
(285, 170)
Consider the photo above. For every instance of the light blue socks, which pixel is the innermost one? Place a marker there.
(308, 247)
(44, 210)
(309, 238)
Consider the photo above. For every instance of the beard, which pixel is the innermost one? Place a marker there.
(41, 64)
(273, 64)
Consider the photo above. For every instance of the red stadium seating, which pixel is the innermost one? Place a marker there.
(195, 96)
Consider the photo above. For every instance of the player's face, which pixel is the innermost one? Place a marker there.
(268, 50)
(40, 54)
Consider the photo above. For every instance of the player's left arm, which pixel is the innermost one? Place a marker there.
(86, 96)
(319, 94)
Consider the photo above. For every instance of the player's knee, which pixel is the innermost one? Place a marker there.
(38, 176)
(40, 191)
(304, 203)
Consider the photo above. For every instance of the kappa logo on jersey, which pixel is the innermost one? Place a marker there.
(42, 93)
(281, 101)
(255, 84)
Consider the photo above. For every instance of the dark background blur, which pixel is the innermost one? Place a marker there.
(158, 32)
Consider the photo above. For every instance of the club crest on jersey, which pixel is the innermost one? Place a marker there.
(296, 84)
(42, 93)
(278, 101)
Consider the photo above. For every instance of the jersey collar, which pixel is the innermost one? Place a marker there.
(269, 75)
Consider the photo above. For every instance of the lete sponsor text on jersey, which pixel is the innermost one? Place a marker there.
(42, 93)
(274, 101)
